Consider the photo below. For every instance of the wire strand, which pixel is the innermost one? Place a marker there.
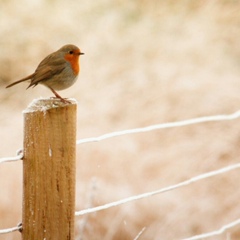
(12, 159)
(214, 233)
(9, 230)
(161, 126)
(162, 190)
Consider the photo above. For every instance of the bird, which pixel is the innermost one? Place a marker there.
(58, 71)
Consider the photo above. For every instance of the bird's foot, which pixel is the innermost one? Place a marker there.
(64, 100)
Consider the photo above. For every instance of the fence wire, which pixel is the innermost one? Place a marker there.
(232, 116)
(215, 118)
(162, 190)
(12, 159)
(9, 230)
(215, 233)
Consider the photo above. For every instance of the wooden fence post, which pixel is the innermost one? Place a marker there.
(49, 170)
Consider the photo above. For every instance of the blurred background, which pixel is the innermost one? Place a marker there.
(145, 62)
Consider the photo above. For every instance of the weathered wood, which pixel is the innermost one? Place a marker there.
(49, 170)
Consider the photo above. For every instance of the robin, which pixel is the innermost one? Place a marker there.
(58, 71)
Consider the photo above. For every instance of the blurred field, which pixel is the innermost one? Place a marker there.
(145, 62)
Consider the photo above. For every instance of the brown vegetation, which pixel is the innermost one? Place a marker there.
(145, 62)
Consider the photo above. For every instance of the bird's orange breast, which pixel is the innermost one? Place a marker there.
(73, 59)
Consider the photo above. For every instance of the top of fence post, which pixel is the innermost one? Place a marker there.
(49, 170)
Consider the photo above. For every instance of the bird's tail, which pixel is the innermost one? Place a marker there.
(21, 80)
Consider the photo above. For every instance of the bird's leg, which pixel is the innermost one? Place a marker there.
(58, 96)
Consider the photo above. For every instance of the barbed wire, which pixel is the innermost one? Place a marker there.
(161, 126)
(214, 233)
(162, 190)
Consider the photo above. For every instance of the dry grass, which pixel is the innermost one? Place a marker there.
(146, 62)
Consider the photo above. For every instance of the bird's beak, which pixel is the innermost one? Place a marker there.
(81, 53)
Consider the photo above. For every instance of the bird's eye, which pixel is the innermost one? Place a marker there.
(70, 52)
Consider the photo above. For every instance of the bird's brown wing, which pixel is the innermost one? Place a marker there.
(50, 66)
